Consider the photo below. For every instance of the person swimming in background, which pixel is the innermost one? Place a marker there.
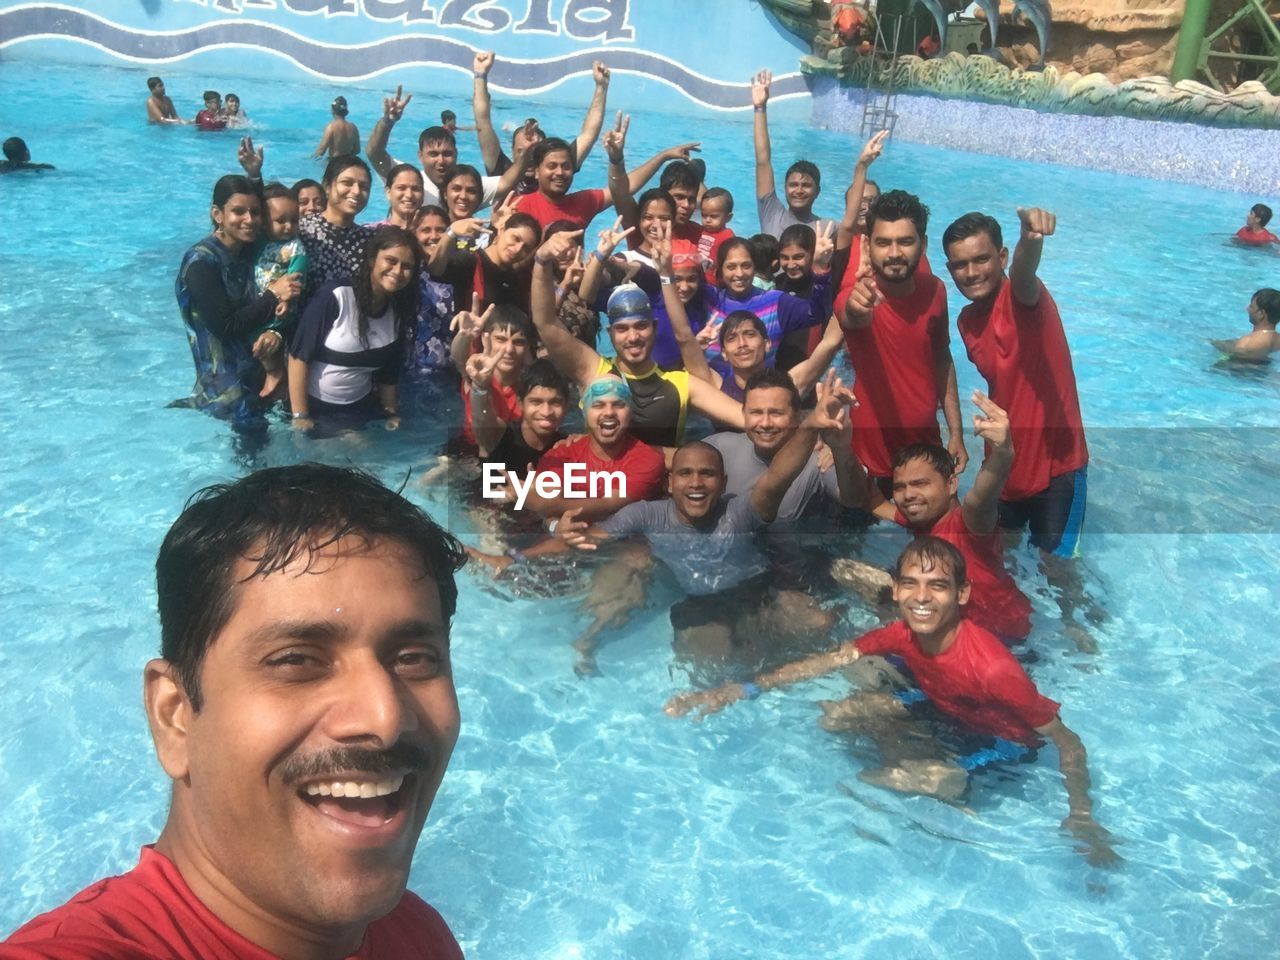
(1254, 233)
(160, 108)
(449, 120)
(235, 117)
(1257, 345)
(211, 117)
(341, 138)
(17, 158)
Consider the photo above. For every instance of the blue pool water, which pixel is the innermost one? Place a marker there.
(576, 819)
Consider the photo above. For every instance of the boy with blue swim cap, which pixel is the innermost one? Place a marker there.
(962, 670)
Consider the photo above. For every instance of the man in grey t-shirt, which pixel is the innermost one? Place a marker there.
(801, 185)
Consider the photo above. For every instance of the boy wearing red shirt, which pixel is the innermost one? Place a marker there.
(962, 670)
(1254, 233)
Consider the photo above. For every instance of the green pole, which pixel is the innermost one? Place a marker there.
(1195, 22)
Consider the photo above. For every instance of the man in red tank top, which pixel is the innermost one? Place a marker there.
(896, 331)
(305, 712)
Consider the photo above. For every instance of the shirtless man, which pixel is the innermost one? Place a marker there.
(160, 108)
(1257, 345)
(341, 138)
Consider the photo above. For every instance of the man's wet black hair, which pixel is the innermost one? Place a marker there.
(736, 319)
(505, 316)
(15, 149)
(679, 173)
(720, 193)
(447, 115)
(932, 552)
(771, 378)
(809, 169)
(1268, 301)
(970, 225)
(542, 373)
(538, 152)
(272, 519)
(211, 95)
(153, 82)
(899, 205)
(934, 454)
(799, 235)
(698, 445)
(1262, 212)
(436, 135)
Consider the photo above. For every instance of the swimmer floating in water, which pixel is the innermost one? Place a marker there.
(18, 158)
(1254, 233)
(160, 108)
(1257, 345)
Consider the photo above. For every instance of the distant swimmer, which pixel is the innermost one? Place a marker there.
(211, 117)
(160, 108)
(449, 120)
(18, 158)
(341, 138)
(234, 116)
(974, 705)
(1254, 233)
(1257, 345)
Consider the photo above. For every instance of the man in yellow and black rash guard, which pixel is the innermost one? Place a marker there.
(661, 399)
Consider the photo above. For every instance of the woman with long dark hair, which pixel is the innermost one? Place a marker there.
(335, 242)
(221, 307)
(348, 351)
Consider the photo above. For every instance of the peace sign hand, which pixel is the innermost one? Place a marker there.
(662, 249)
(480, 367)
(469, 323)
(249, 159)
(502, 213)
(393, 106)
(872, 149)
(824, 249)
(993, 425)
(615, 141)
(610, 237)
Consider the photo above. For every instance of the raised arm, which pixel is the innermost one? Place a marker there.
(708, 702)
(810, 370)
(376, 148)
(466, 325)
(594, 119)
(712, 402)
(593, 275)
(1036, 225)
(485, 424)
(695, 361)
(481, 104)
(856, 311)
(982, 502)
(853, 199)
(571, 356)
(764, 151)
(642, 174)
(1074, 764)
(620, 192)
(829, 414)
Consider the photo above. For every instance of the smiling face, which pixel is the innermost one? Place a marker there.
(393, 270)
(607, 420)
(801, 192)
(233, 105)
(929, 599)
(311, 200)
(738, 270)
(769, 419)
(895, 250)
(794, 261)
(513, 245)
(977, 266)
(462, 197)
(282, 219)
(302, 784)
(745, 348)
(542, 410)
(869, 194)
(555, 173)
(239, 219)
(687, 281)
(428, 232)
(922, 494)
(655, 214)
(632, 340)
(696, 483)
(686, 199)
(438, 158)
(348, 194)
(404, 194)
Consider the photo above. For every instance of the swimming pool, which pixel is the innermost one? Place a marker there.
(577, 820)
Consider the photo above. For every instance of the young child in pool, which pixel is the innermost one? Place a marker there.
(717, 210)
(1254, 233)
(282, 254)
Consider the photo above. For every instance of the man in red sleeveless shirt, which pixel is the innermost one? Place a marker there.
(305, 711)
(897, 333)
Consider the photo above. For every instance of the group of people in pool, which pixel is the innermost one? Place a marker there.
(216, 115)
(291, 299)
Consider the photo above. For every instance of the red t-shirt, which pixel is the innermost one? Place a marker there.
(642, 465)
(210, 120)
(976, 680)
(893, 361)
(150, 913)
(504, 401)
(578, 207)
(1023, 354)
(709, 242)
(1256, 238)
(995, 602)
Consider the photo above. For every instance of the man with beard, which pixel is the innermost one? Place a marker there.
(896, 331)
